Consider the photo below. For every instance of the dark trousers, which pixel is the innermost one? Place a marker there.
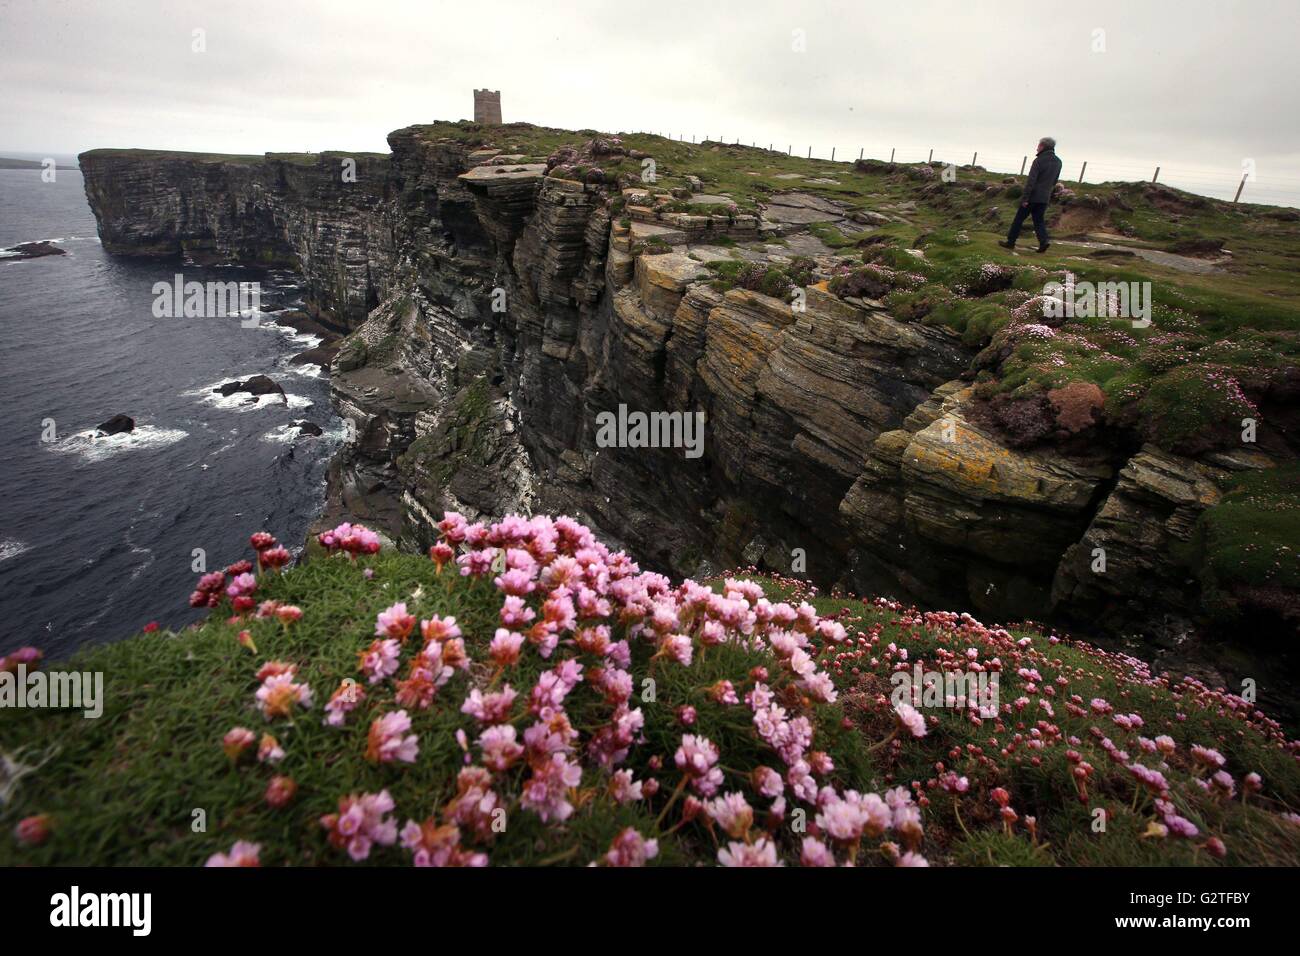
(1035, 209)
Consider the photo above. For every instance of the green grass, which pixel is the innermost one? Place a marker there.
(125, 788)
(1246, 549)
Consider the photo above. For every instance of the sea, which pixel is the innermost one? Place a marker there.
(100, 536)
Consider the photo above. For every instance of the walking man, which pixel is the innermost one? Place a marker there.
(1038, 192)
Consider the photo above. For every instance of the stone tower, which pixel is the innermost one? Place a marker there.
(487, 107)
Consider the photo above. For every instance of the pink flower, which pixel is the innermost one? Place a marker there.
(724, 692)
(500, 749)
(276, 557)
(768, 782)
(387, 743)
(280, 792)
(477, 563)
(236, 741)
(696, 758)
(381, 659)
(440, 629)
(343, 701)
(623, 788)
(361, 540)
(288, 613)
(435, 845)
(269, 750)
(910, 719)
(912, 859)
(1207, 756)
(731, 812)
(242, 853)
(676, 647)
(631, 849)
(278, 694)
(516, 581)
(242, 586)
(504, 648)
(515, 613)
(362, 821)
(441, 553)
(27, 657)
(489, 708)
(262, 540)
(762, 852)
(395, 622)
(546, 791)
(33, 830)
(815, 853)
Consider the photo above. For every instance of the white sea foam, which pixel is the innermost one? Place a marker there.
(308, 370)
(281, 435)
(243, 401)
(11, 548)
(93, 448)
(305, 340)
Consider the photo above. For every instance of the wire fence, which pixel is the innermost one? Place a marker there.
(1235, 183)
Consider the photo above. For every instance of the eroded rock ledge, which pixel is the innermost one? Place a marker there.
(497, 309)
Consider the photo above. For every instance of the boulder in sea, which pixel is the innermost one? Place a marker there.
(257, 385)
(31, 250)
(116, 426)
(307, 428)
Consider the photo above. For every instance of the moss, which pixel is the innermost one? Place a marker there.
(1252, 536)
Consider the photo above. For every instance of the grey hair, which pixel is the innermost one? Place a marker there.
(1048, 142)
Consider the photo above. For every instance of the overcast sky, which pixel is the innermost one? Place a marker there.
(1192, 85)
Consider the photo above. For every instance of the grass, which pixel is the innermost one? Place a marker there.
(129, 787)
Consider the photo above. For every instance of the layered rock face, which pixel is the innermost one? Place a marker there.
(326, 217)
(499, 310)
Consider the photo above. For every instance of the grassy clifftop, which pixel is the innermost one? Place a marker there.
(577, 711)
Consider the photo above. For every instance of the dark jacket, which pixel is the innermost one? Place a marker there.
(1042, 177)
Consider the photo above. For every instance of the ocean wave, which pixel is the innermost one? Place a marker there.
(93, 448)
(244, 402)
(281, 435)
(11, 548)
(307, 370)
(304, 340)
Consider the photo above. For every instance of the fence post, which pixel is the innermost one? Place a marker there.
(891, 154)
(1240, 187)
(1022, 165)
(1084, 170)
(832, 154)
(861, 150)
(974, 157)
(810, 152)
(931, 159)
(1157, 174)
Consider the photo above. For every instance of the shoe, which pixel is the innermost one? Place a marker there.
(1007, 245)
(1043, 247)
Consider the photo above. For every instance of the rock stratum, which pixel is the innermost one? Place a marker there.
(497, 304)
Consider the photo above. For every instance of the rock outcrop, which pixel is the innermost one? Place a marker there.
(499, 305)
(116, 425)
